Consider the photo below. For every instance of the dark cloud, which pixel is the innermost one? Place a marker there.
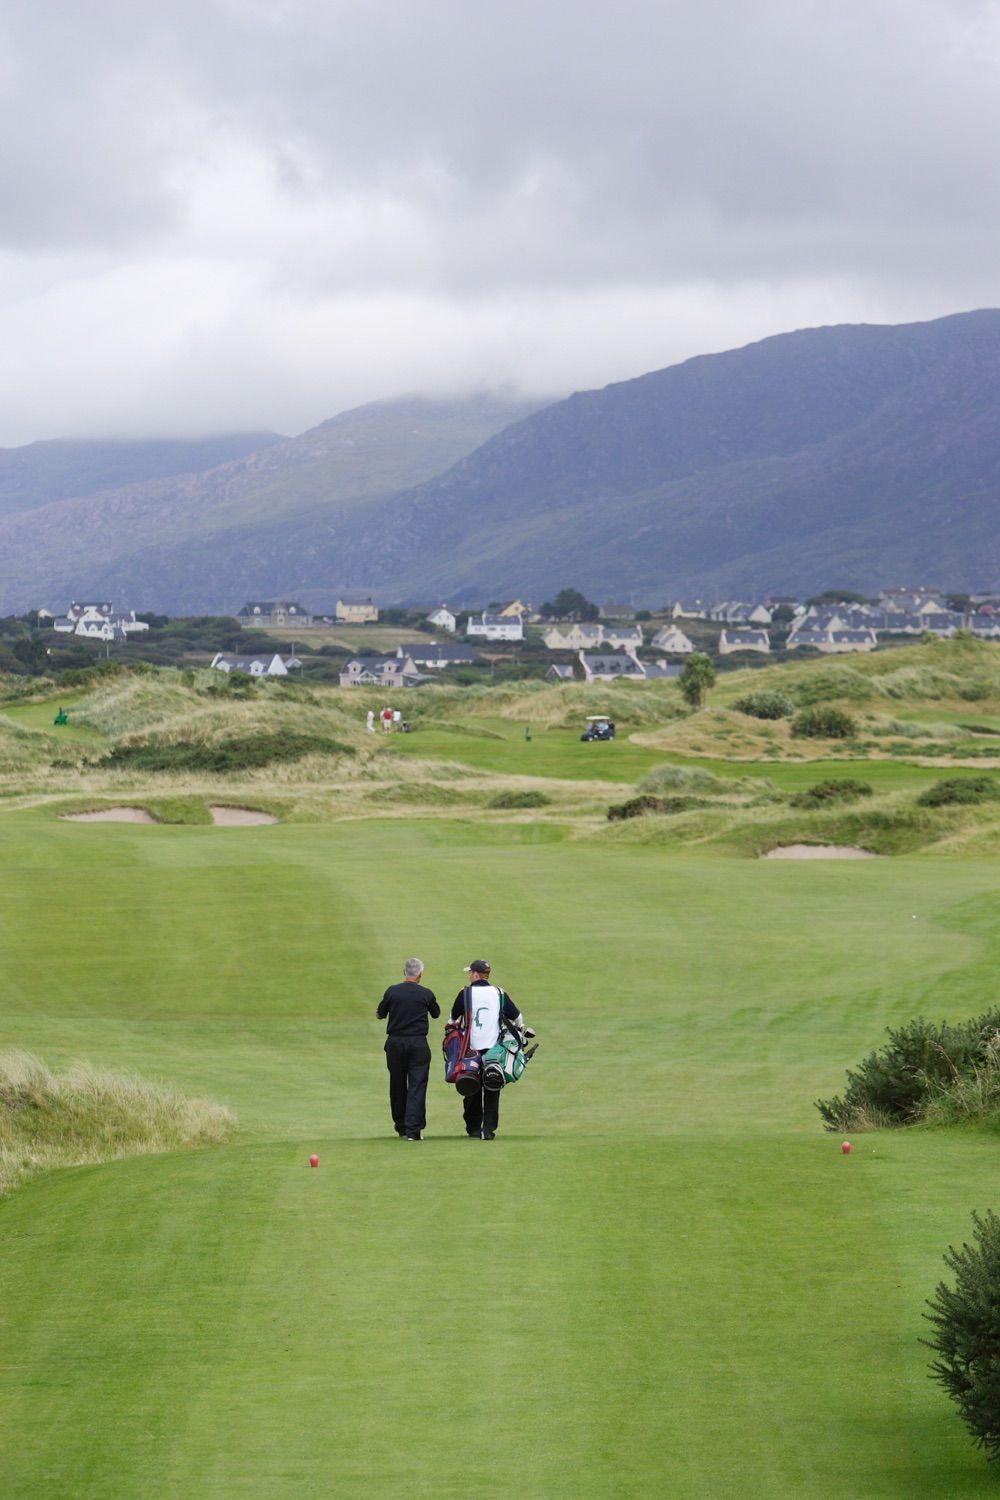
(237, 159)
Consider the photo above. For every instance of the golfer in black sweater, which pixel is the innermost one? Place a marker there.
(407, 1055)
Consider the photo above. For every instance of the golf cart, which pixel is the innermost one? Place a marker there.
(599, 727)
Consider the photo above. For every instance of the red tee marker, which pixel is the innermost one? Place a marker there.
(314, 1160)
(846, 1148)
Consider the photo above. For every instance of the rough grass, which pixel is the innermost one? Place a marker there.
(85, 1115)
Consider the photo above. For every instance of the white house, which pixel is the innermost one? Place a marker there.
(380, 671)
(496, 627)
(672, 638)
(623, 637)
(98, 622)
(432, 654)
(575, 637)
(266, 665)
(442, 618)
(743, 640)
(605, 668)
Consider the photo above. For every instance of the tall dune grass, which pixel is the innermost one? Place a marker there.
(86, 1115)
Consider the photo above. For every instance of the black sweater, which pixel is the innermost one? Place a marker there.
(407, 1005)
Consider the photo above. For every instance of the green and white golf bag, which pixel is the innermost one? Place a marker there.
(505, 1061)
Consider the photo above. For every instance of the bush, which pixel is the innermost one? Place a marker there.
(898, 1084)
(507, 800)
(823, 723)
(966, 1323)
(823, 793)
(765, 705)
(223, 755)
(959, 791)
(833, 682)
(637, 807)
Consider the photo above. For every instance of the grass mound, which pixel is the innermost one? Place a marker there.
(86, 1116)
(638, 807)
(245, 754)
(511, 800)
(683, 779)
(767, 705)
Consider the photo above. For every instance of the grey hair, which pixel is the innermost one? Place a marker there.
(413, 967)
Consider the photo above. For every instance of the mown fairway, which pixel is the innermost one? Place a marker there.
(662, 1279)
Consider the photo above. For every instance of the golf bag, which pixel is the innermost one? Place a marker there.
(506, 1060)
(461, 1067)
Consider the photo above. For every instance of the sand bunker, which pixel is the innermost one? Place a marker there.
(110, 815)
(239, 817)
(818, 851)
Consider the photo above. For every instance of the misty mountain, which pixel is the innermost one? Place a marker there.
(260, 525)
(852, 456)
(63, 467)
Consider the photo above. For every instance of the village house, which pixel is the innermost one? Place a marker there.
(356, 609)
(98, 622)
(434, 655)
(616, 611)
(496, 627)
(274, 614)
(514, 609)
(611, 666)
(833, 642)
(672, 638)
(743, 640)
(575, 637)
(380, 671)
(623, 637)
(687, 609)
(268, 664)
(442, 618)
(560, 672)
(736, 612)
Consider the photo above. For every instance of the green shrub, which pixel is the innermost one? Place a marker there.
(966, 1323)
(823, 723)
(765, 705)
(221, 755)
(898, 1084)
(823, 793)
(960, 790)
(507, 800)
(637, 807)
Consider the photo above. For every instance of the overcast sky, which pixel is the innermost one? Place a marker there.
(224, 214)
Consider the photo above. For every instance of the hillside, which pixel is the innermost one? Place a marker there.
(856, 456)
(264, 523)
(39, 473)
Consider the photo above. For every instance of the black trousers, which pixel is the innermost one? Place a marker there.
(481, 1111)
(408, 1059)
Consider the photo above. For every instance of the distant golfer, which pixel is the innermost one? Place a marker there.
(370, 721)
(482, 1108)
(407, 1055)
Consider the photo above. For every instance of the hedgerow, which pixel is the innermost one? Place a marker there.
(960, 790)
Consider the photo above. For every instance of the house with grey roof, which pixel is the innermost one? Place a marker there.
(623, 637)
(266, 664)
(560, 672)
(616, 611)
(442, 618)
(610, 666)
(436, 655)
(576, 636)
(743, 640)
(672, 638)
(496, 627)
(274, 614)
(381, 671)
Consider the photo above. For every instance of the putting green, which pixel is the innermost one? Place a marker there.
(661, 1279)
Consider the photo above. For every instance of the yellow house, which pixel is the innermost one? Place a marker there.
(356, 609)
(514, 610)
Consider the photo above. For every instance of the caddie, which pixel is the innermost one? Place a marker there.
(482, 1107)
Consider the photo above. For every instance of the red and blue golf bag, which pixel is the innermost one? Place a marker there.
(461, 1067)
